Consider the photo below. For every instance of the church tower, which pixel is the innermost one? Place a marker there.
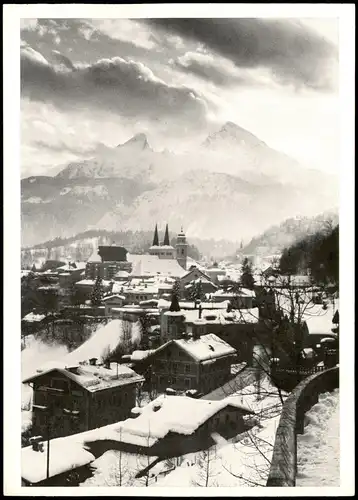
(181, 249)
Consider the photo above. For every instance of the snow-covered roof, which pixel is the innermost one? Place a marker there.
(200, 280)
(152, 265)
(140, 290)
(95, 378)
(72, 266)
(92, 282)
(31, 317)
(115, 296)
(239, 316)
(121, 274)
(139, 355)
(243, 292)
(65, 454)
(206, 347)
(319, 320)
(168, 413)
(195, 270)
(187, 305)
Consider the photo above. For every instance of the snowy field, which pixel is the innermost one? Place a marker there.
(318, 449)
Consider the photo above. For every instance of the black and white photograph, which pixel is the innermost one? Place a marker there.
(176, 181)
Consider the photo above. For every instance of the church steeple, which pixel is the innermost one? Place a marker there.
(166, 237)
(156, 237)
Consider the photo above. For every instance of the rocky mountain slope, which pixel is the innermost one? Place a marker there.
(231, 186)
(276, 238)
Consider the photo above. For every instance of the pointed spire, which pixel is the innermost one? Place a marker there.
(156, 237)
(166, 237)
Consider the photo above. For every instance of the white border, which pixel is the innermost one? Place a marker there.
(12, 245)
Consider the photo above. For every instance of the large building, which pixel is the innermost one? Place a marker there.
(81, 397)
(107, 262)
(194, 362)
(112, 261)
(167, 251)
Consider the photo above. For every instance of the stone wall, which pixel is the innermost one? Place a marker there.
(284, 459)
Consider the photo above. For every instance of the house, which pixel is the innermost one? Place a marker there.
(85, 287)
(173, 425)
(112, 301)
(240, 299)
(70, 273)
(107, 262)
(241, 328)
(197, 362)
(140, 293)
(169, 426)
(193, 274)
(206, 286)
(81, 396)
(121, 276)
(215, 273)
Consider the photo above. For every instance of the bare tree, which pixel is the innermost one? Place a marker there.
(206, 473)
(127, 337)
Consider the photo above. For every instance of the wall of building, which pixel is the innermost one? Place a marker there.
(73, 398)
(173, 367)
(112, 405)
(96, 409)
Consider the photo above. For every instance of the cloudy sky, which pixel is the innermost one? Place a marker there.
(88, 82)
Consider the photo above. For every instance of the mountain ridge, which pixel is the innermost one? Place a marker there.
(235, 189)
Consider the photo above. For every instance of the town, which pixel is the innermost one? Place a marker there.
(181, 186)
(170, 364)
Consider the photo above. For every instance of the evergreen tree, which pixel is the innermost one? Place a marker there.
(97, 292)
(176, 289)
(196, 291)
(247, 278)
(174, 306)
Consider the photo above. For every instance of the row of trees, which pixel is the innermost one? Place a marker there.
(317, 253)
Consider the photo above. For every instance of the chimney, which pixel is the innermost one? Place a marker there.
(93, 361)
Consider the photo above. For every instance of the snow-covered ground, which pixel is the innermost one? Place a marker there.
(318, 449)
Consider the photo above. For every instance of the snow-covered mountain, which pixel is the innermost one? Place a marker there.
(232, 185)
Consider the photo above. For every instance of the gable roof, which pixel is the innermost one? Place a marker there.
(115, 296)
(207, 347)
(172, 414)
(152, 265)
(197, 271)
(94, 378)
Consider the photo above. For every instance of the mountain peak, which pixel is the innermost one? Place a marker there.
(233, 133)
(139, 140)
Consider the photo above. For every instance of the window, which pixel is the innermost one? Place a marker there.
(175, 367)
(174, 380)
(59, 383)
(187, 383)
(125, 397)
(187, 368)
(182, 251)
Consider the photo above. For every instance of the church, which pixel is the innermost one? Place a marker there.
(163, 260)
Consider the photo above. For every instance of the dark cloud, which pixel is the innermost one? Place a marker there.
(125, 87)
(209, 68)
(293, 52)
